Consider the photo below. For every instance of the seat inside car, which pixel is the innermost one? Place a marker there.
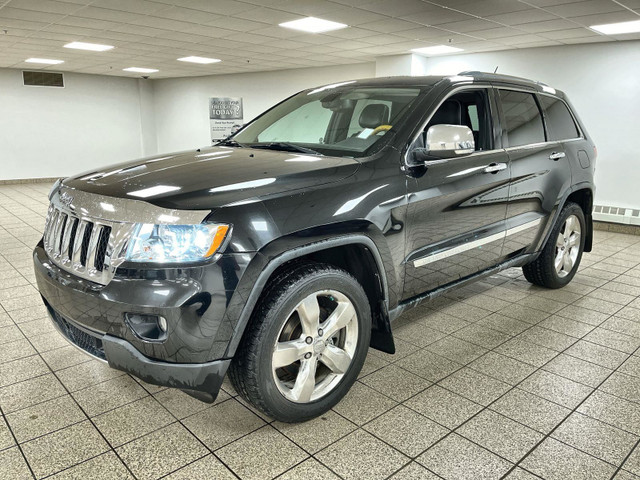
(374, 115)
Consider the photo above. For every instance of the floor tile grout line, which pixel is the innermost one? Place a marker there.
(15, 439)
(574, 410)
(211, 451)
(85, 414)
(633, 449)
(495, 400)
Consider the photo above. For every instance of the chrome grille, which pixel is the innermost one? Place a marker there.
(87, 234)
(78, 244)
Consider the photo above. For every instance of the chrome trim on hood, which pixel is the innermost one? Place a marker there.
(87, 234)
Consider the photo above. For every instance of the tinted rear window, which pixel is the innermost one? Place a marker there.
(523, 121)
(560, 123)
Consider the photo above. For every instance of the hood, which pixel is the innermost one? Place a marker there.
(213, 177)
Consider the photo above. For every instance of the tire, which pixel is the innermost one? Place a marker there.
(559, 260)
(288, 325)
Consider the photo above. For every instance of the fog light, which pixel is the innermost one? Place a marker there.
(162, 323)
(150, 328)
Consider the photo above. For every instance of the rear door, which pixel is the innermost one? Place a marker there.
(540, 173)
(457, 206)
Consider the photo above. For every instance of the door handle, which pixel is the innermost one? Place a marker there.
(495, 167)
(556, 156)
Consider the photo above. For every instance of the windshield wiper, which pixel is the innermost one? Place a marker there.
(230, 143)
(286, 147)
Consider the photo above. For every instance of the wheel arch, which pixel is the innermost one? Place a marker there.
(581, 194)
(584, 198)
(355, 253)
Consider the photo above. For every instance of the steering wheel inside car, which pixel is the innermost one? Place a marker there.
(378, 129)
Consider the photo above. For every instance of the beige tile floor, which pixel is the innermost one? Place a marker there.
(499, 379)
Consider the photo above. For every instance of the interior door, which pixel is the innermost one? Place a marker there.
(540, 172)
(457, 207)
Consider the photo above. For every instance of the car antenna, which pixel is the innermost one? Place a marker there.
(495, 69)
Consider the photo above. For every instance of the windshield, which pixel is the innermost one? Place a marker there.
(339, 121)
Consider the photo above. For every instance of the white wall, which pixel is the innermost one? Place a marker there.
(181, 104)
(51, 132)
(603, 83)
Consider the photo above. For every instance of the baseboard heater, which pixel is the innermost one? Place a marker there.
(627, 216)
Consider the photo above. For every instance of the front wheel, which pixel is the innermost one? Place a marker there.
(305, 345)
(559, 260)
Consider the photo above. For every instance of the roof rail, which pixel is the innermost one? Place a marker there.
(501, 76)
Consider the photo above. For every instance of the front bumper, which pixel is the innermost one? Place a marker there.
(202, 380)
(91, 317)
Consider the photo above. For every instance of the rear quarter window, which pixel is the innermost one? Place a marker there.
(560, 123)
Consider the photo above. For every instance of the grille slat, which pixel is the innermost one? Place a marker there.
(79, 243)
(86, 240)
(72, 237)
(101, 249)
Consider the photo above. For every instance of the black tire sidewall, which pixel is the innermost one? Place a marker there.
(279, 406)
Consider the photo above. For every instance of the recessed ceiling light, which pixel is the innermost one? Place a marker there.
(95, 47)
(313, 25)
(48, 61)
(437, 50)
(140, 70)
(618, 28)
(203, 60)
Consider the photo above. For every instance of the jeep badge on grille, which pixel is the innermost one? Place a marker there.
(66, 199)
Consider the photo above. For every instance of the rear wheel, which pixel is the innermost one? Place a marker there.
(558, 263)
(306, 343)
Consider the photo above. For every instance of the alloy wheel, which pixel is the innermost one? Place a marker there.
(315, 346)
(567, 246)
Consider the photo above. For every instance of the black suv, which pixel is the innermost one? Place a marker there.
(284, 252)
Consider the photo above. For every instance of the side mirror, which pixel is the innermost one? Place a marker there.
(449, 141)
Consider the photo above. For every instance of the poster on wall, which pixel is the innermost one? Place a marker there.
(225, 116)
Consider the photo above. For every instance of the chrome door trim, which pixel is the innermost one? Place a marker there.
(419, 262)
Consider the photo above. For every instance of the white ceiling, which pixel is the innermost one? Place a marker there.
(246, 36)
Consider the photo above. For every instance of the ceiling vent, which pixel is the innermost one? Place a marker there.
(42, 79)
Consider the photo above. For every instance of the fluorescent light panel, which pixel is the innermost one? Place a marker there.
(46, 61)
(203, 60)
(94, 47)
(152, 191)
(618, 28)
(313, 25)
(437, 50)
(140, 70)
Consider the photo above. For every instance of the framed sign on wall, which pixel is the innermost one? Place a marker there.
(225, 116)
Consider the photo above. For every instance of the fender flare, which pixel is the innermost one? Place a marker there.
(297, 252)
(556, 214)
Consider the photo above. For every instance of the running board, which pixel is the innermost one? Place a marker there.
(518, 261)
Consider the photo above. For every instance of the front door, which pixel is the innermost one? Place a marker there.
(457, 207)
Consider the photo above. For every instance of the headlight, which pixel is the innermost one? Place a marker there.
(55, 187)
(175, 243)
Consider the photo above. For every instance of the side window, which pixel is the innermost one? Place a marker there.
(523, 121)
(469, 108)
(560, 123)
(307, 124)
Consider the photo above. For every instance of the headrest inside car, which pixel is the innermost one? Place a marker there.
(449, 113)
(374, 115)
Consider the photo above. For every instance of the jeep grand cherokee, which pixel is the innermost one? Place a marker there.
(281, 254)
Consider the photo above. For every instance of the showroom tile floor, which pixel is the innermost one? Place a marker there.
(499, 379)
